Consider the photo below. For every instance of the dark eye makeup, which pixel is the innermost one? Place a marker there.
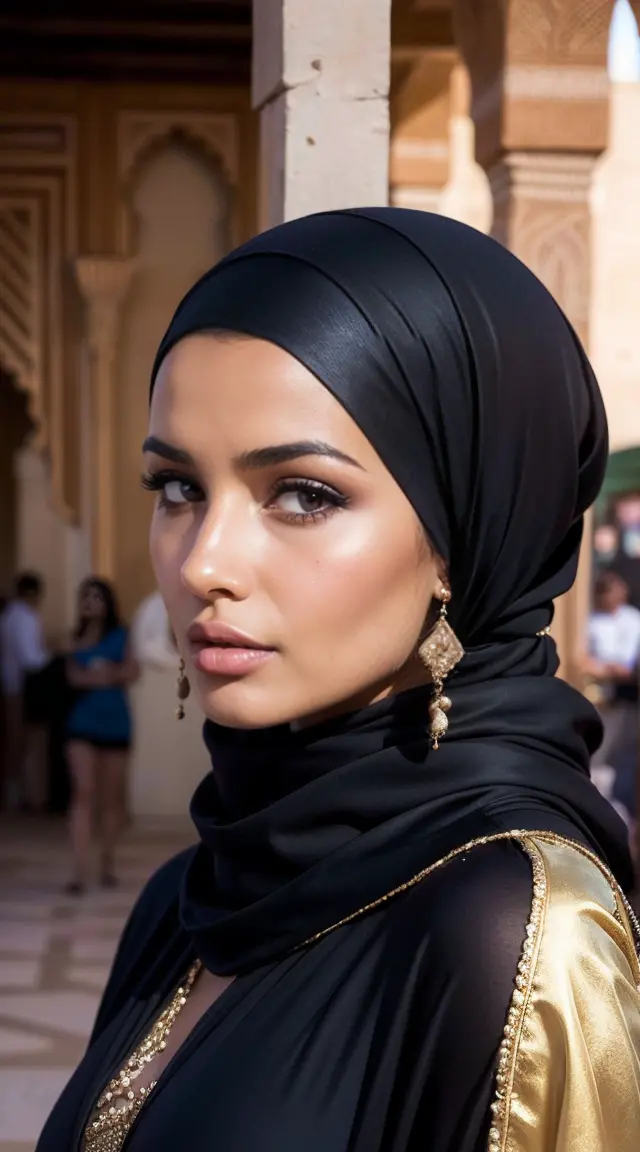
(315, 500)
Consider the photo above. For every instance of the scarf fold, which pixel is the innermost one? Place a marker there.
(301, 829)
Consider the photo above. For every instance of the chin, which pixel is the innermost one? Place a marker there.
(238, 704)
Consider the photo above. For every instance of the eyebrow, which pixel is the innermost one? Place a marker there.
(284, 453)
(257, 457)
(161, 448)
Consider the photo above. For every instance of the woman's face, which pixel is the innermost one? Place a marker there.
(276, 518)
(92, 603)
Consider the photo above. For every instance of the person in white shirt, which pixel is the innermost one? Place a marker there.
(23, 656)
(612, 665)
(614, 636)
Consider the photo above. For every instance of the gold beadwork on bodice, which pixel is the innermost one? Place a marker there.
(121, 1102)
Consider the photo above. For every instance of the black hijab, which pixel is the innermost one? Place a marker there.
(473, 388)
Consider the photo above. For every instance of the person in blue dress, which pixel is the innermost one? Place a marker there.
(99, 668)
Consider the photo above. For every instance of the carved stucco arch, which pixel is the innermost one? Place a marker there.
(21, 305)
(12, 375)
(213, 137)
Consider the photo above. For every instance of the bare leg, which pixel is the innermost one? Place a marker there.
(82, 767)
(112, 774)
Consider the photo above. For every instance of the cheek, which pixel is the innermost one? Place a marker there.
(363, 586)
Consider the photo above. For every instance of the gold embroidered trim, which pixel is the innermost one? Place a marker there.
(520, 1000)
(413, 881)
(632, 927)
(518, 834)
(508, 1051)
(520, 1003)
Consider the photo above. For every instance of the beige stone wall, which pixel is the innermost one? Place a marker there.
(615, 303)
(181, 205)
(169, 756)
(48, 544)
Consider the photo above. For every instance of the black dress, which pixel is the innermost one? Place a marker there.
(488, 1001)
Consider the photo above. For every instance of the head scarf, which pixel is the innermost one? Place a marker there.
(473, 388)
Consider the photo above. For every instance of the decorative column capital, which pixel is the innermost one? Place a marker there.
(104, 282)
(538, 73)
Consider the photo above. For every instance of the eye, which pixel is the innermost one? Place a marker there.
(173, 488)
(302, 501)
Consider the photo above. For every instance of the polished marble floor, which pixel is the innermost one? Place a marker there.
(55, 953)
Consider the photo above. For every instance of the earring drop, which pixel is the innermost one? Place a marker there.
(440, 653)
(183, 690)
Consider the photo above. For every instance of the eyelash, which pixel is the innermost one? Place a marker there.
(336, 501)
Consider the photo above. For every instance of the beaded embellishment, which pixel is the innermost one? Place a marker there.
(519, 1000)
(120, 1103)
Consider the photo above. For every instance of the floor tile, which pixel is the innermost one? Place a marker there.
(71, 1012)
(26, 1099)
(19, 974)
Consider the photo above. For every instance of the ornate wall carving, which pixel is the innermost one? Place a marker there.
(141, 133)
(541, 212)
(538, 71)
(21, 292)
(37, 236)
(559, 30)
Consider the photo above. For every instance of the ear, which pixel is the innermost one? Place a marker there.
(442, 586)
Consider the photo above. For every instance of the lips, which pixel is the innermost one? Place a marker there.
(220, 650)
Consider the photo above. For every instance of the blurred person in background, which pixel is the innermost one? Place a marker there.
(611, 666)
(626, 562)
(606, 543)
(98, 729)
(23, 659)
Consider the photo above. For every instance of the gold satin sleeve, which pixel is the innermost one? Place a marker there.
(568, 1077)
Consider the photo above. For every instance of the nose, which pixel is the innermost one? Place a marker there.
(217, 564)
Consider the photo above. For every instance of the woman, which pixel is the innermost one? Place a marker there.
(98, 729)
(360, 421)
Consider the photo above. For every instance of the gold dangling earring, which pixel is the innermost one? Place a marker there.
(184, 688)
(440, 653)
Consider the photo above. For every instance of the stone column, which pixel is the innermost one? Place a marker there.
(466, 196)
(420, 118)
(540, 106)
(541, 211)
(103, 281)
(321, 84)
